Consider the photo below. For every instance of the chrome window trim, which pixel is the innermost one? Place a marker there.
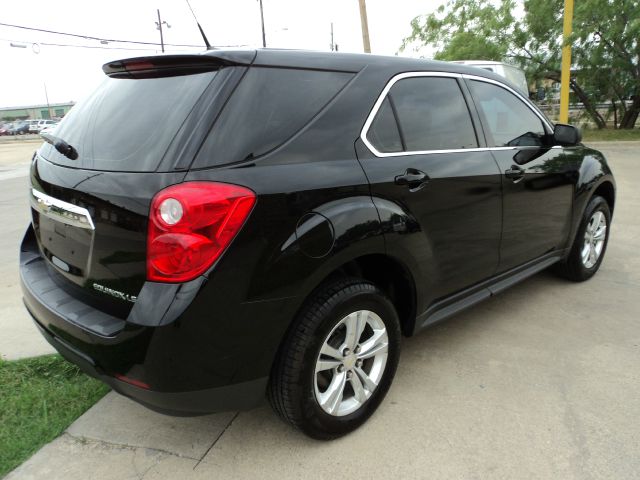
(524, 100)
(61, 211)
(401, 76)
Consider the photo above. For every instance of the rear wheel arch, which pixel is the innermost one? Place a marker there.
(393, 278)
(389, 274)
(386, 272)
(304, 398)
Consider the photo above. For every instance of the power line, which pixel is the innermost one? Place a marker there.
(89, 37)
(80, 46)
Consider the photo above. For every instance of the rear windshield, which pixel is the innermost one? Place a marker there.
(269, 106)
(127, 124)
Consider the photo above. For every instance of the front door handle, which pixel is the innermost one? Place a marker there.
(413, 178)
(515, 173)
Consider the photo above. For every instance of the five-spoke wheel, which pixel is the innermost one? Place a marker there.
(594, 237)
(590, 242)
(338, 360)
(351, 363)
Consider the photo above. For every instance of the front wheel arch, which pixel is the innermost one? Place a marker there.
(607, 191)
(573, 267)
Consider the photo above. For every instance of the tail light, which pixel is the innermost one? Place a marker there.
(132, 381)
(191, 225)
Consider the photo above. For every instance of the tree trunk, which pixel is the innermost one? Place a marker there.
(631, 115)
(582, 96)
(588, 105)
(615, 113)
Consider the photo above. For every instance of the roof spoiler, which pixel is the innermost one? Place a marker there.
(175, 65)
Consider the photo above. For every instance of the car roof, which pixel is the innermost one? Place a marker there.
(339, 61)
(387, 66)
(478, 62)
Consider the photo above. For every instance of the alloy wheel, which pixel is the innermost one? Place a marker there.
(351, 363)
(594, 237)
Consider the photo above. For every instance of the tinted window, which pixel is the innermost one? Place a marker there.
(127, 124)
(509, 120)
(432, 114)
(383, 133)
(269, 106)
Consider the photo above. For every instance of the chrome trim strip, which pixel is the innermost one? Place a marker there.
(385, 90)
(61, 211)
(525, 100)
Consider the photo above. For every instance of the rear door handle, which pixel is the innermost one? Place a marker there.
(515, 173)
(413, 178)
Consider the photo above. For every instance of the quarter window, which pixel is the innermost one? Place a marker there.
(269, 106)
(384, 133)
(509, 121)
(431, 114)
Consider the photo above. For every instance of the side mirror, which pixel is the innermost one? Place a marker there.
(566, 135)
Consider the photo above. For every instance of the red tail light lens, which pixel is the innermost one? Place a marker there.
(191, 225)
(132, 381)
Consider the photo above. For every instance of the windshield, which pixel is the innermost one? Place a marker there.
(127, 124)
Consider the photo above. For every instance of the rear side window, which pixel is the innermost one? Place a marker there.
(384, 133)
(432, 114)
(509, 121)
(268, 107)
(127, 124)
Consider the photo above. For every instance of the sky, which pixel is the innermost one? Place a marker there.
(71, 73)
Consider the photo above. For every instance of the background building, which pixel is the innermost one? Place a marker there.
(54, 110)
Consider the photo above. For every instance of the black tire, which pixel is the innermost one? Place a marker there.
(573, 267)
(291, 389)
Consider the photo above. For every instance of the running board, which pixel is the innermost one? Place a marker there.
(448, 307)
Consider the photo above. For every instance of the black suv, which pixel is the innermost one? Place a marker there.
(210, 229)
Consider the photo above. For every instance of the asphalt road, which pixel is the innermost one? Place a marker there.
(540, 382)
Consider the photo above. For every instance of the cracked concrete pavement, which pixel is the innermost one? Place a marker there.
(542, 381)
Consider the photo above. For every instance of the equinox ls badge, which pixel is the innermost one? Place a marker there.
(114, 293)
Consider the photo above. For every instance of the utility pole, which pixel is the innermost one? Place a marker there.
(365, 26)
(264, 38)
(46, 96)
(334, 47)
(566, 62)
(159, 24)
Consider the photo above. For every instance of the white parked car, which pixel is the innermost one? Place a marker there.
(38, 125)
(510, 72)
(33, 125)
(49, 128)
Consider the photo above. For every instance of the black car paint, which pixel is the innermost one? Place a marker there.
(324, 201)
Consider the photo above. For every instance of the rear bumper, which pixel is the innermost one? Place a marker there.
(239, 396)
(188, 364)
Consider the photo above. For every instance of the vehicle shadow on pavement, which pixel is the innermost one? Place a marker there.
(465, 385)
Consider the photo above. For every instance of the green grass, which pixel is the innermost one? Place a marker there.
(39, 398)
(610, 134)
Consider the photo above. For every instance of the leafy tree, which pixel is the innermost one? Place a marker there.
(465, 29)
(605, 44)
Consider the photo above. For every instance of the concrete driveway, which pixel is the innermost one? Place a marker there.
(18, 338)
(541, 382)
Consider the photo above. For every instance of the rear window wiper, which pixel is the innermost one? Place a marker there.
(61, 146)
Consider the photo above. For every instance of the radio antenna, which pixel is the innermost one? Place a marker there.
(204, 37)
